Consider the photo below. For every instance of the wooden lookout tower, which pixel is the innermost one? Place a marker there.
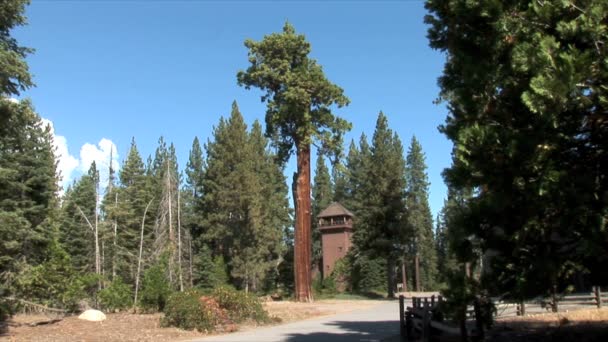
(336, 227)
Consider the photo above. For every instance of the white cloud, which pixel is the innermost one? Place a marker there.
(71, 167)
(100, 154)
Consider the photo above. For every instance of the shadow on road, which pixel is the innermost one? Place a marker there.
(353, 331)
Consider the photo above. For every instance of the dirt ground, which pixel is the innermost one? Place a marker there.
(580, 326)
(137, 327)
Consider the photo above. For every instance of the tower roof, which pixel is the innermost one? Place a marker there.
(335, 209)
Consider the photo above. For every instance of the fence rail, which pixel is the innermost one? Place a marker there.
(422, 319)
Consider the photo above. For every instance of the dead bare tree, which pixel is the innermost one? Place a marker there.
(141, 248)
(179, 242)
(96, 236)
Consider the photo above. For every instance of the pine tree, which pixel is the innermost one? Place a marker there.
(246, 203)
(377, 181)
(14, 75)
(192, 195)
(299, 98)
(322, 198)
(133, 197)
(527, 119)
(77, 215)
(419, 219)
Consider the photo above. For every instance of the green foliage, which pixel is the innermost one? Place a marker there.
(376, 177)
(246, 200)
(298, 95)
(240, 306)
(75, 233)
(134, 195)
(210, 272)
(53, 283)
(116, 296)
(185, 310)
(369, 274)
(525, 82)
(14, 72)
(421, 242)
(155, 287)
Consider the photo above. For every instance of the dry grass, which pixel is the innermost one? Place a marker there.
(117, 327)
(139, 327)
(580, 326)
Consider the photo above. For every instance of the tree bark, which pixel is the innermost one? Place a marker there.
(302, 245)
(417, 270)
(404, 275)
(390, 274)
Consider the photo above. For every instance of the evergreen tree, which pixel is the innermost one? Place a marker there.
(322, 198)
(419, 219)
(28, 187)
(377, 176)
(192, 199)
(245, 201)
(524, 81)
(299, 101)
(14, 73)
(77, 215)
(133, 197)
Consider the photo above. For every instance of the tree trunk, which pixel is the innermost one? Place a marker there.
(171, 233)
(114, 240)
(141, 248)
(97, 252)
(190, 258)
(179, 243)
(417, 270)
(390, 275)
(404, 275)
(302, 245)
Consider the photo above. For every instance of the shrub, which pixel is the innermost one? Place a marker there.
(240, 306)
(186, 310)
(155, 288)
(117, 296)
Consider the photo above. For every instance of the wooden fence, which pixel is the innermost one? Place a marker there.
(423, 320)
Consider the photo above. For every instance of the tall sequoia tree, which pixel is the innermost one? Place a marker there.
(299, 100)
(526, 87)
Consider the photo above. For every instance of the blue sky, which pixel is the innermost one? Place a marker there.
(107, 71)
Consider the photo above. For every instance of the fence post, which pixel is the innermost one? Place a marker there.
(426, 324)
(478, 320)
(521, 308)
(598, 297)
(409, 325)
(432, 300)
(401, 316)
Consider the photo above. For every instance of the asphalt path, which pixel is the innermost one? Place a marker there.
(377, 323)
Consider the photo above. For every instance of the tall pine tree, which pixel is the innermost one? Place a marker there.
(419, 219)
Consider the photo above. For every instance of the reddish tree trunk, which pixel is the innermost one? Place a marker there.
(302, 267)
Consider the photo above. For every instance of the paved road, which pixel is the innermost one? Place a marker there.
(368, 325)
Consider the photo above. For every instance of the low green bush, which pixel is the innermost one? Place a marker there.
(155, 287)
(185, 310)
(117, 296)
(240, 306)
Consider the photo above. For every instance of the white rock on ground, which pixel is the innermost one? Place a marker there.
(92, 315)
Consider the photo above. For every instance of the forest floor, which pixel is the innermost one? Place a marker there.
(146, 327)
